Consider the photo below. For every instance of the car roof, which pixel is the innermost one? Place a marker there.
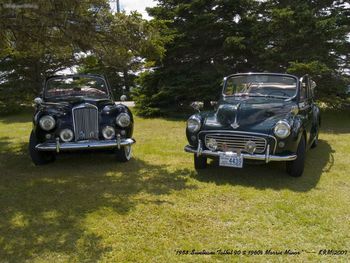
(75, 75)
(263, 73)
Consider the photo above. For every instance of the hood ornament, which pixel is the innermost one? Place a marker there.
(235, 124)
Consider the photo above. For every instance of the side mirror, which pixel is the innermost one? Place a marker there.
(313, 84)
(197, 105)
(38, 101)
(123, 98)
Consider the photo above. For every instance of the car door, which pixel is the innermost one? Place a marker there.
(305, 106)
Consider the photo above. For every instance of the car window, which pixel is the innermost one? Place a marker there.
(76, 86)
(261, 85)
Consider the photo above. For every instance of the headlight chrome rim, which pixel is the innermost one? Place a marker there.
(194, 124)
(123, 120)
(282, 125)
(108, 132)
(47, 123)
(68, 132)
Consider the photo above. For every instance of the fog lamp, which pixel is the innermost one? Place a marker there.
(108, 132)
(212, 144)
(66, 135)
(250, 147)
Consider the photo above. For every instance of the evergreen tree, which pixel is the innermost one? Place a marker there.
(40, 38)
(214, 38)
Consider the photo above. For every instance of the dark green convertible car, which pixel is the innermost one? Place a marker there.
(260, 117)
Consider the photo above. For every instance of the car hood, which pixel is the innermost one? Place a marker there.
(247, 113)
(58, 108)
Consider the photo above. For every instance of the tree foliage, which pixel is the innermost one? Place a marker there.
(214, 38)
(40, 38)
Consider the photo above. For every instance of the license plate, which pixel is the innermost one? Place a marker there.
(231, 160)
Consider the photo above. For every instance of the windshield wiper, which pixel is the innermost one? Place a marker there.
(259, 95)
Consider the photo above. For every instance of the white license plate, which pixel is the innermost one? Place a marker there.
(231, 160)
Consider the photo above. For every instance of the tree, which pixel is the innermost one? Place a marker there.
(41, 38)
(214, 38)
(124, 43)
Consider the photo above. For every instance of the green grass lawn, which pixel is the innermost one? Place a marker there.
(88, 207)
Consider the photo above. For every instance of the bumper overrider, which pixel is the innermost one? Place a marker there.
(267, 157)
(84, 145)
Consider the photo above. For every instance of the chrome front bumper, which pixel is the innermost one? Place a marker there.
(260, 157)
(84, 145)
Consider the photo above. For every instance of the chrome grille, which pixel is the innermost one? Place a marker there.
(85, 118)
(234, 141)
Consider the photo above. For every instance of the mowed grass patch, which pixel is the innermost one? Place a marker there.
(88, 207)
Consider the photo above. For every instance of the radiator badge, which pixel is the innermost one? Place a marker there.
(81, 135)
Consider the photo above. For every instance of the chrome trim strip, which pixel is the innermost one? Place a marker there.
(200, 148)
(118, 141)
(57, 145)
(70, 146)
(258, 157)
(268, 154)
(243, 132)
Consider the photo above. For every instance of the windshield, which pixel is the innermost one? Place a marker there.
(79, 86)
(261, 85)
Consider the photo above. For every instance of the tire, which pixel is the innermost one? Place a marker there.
(38, 157)
(124, 154)
(315, 143)
(200, 162)
(296, 168)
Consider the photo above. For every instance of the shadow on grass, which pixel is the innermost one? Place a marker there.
(273, 175)
(17, 118)
(335, 121)
(43, 208)
(22, 115)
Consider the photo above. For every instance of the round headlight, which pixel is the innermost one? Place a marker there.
(193, 124)
(212, 144)
(123, 120)
(47, 123)
(282, 129)
(66, 135)
(108, 132)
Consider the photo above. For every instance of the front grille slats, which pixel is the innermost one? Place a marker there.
(85, 122)
(231, 142)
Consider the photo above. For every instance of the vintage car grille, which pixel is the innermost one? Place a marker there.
(233, 141)
(85, 119)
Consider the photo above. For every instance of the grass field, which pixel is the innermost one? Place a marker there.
(87, 207)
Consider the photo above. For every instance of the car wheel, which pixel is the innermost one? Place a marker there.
(315, 143)
(200, 162)
(38, 157)
(296, 168)
(124, 154)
